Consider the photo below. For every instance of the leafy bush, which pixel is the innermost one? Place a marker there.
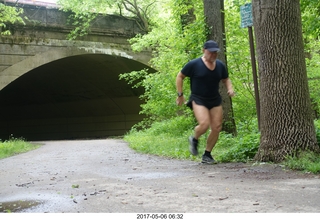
(243, 148)
(304, 161)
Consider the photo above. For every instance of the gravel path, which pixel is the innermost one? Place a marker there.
(106, 176)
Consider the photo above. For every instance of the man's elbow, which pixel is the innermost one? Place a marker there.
(225, 80)
(180, 76)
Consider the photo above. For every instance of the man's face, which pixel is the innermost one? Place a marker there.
(210, 56)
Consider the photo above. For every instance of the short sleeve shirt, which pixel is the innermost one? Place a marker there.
(203, 81)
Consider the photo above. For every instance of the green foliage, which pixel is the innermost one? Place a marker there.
(82, 21)
(239, 64)
(241, 148)
(93, 6)
(169, 138)
(15, 146)
(166, 138)
(9, 15)
(317, 125)
(313, 67)
(304, 161)
(310, 15)
(85, 11)
(244, 148)
(318, 135)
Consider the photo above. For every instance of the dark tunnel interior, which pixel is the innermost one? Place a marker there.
(76, 97)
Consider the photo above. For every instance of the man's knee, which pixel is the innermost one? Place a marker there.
(216, 128)
(204, 125)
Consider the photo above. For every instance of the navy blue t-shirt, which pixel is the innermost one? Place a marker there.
(203, 81)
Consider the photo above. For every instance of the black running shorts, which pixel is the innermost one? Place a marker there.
(209, 103)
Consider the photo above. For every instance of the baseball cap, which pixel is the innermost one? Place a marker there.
(212, 46)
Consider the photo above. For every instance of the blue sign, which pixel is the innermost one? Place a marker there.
(246, 15)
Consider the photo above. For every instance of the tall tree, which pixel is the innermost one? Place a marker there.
(213, 11)
(287, 125)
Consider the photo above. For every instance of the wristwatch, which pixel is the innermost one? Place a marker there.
(180, 94)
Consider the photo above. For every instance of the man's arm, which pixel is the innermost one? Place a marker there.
(179, 86)
(228, 84)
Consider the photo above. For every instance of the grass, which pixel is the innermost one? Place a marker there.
(163, 139)
(170, 139)
(15, 146)
(306, 161)
(228, 148)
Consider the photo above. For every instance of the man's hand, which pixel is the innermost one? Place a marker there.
(231, 93)
(180, 100)
(228, 84)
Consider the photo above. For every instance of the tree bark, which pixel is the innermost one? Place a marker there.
(287, 124)
(213, 11)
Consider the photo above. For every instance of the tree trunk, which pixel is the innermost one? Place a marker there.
(287, 124)
(215, 22)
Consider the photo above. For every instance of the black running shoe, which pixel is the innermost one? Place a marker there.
(208, 160)
(193, 147)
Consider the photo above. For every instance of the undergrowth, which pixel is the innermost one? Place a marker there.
(170, 138)
(305, 161)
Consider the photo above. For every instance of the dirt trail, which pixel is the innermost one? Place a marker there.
(106, 176)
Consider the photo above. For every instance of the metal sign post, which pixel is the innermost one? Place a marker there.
(247, 21)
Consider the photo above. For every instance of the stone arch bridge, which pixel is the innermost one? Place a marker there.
(54, 88)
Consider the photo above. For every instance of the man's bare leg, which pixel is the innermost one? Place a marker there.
(216, 117)
(202, 116)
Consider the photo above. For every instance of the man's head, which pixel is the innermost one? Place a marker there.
(211, 46)
(210, 51)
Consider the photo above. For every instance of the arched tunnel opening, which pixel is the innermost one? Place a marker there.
(78, 97)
